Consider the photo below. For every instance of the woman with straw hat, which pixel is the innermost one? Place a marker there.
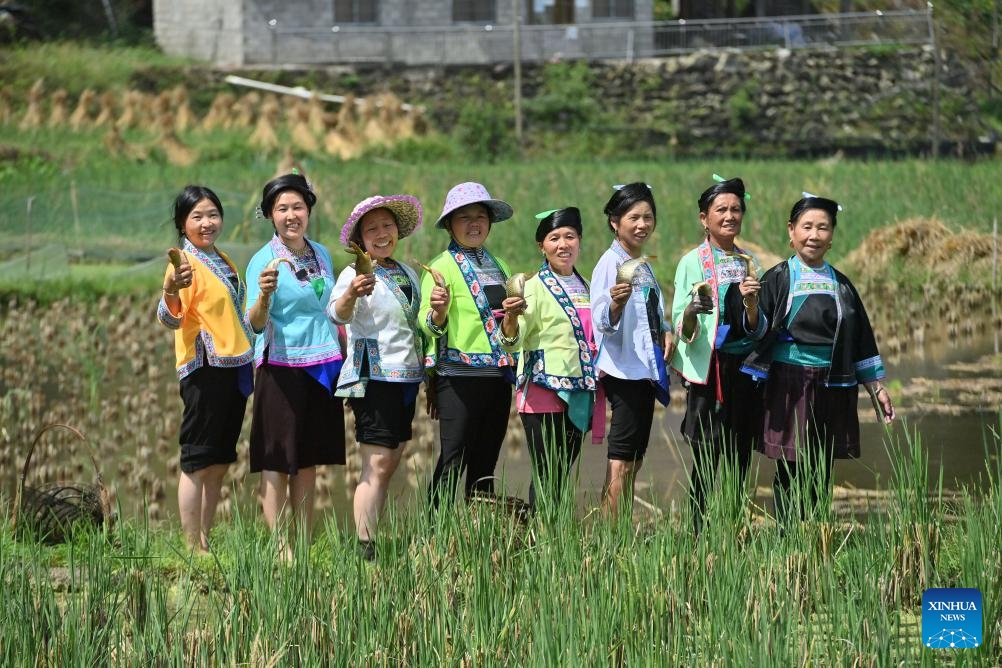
(551, 325)
(462, 296)
(298, 423)
(818, 349)
(384, 357)
(203, 301)
(716, 306)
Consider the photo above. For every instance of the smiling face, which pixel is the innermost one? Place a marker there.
(379, 232)
(470, 225)
(291, 217)
(811, 236)
(634, 227)
(562, 247)
(203, 225)
(722, 220)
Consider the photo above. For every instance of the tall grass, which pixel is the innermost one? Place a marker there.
(474, 587)
(122, 210)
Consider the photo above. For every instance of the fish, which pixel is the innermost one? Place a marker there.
(363, 261)
(279, 260)
(515, 285)
(627, 270)
(702, 289)
(176, 258)
(749, 263)
(436, 275)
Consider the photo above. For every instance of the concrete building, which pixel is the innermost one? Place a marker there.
(280, 32)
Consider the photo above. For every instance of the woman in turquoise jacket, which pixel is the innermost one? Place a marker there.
(718, 327)
(551, 325)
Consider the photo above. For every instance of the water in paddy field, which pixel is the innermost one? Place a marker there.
(950, 394)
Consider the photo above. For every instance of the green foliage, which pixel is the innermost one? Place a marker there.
(565, 99)
(485, 130)
(75, 66)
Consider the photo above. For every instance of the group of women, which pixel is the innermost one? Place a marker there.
(771, 362)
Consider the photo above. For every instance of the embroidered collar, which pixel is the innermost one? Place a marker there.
(585, 357)
(490, 325)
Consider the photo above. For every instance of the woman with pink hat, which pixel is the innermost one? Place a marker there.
(384, 358)
(461, 310)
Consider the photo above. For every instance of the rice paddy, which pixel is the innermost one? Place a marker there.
(85, 186)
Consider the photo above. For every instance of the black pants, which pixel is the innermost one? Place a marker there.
(473, 419)
(803, 484)
(554, 445)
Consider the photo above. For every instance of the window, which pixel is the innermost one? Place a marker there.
(356, 11)
(474, 11)
(550, 12)
(612, 9)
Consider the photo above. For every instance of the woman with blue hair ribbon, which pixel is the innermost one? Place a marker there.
(634, 339)
(818, 348)
(716, 306)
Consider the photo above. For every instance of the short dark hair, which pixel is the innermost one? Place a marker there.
(569, 217)
(186, 201)
(732, 186)
(278, 185)
(625, 198)
(829, 206)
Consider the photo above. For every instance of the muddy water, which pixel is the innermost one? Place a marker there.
(957, 443)
(129, 408)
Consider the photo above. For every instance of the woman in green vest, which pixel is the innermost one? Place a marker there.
(551, 326)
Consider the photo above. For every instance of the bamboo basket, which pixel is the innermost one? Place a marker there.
(50, 511)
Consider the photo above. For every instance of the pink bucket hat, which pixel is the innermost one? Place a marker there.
(405, 208)
(473, 193)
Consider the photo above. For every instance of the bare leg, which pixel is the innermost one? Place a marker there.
(212, 485)
(274, 493)
(378, 466)
(189, 505)
(619, 478)
(302, 488)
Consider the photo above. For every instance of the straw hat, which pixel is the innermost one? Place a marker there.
(473, 193)
(405, 208)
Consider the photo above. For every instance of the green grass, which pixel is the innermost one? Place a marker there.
(472, 587)
(106, 209)
(75, 66)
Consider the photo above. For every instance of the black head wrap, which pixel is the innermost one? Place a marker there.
(569, 217)
(733, 186)
(828, 205)
(278, 185)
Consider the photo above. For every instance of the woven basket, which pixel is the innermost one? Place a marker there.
(50, 511)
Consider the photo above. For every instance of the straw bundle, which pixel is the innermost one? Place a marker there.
(219, 112)
(302, 137)
(106, 112)
(118, 147)
(373, 131)
(921, 243)
(319, 120)
(242, 111)
(33, 114)
(177, 153)
(264, 135)
(81, 115)
(132, 109)
(58, 114)
(183, 118)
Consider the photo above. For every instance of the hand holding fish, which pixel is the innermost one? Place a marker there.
(183, 273)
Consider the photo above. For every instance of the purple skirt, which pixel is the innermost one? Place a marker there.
(800, 412)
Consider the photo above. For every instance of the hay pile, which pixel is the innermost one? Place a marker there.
(922, 243)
